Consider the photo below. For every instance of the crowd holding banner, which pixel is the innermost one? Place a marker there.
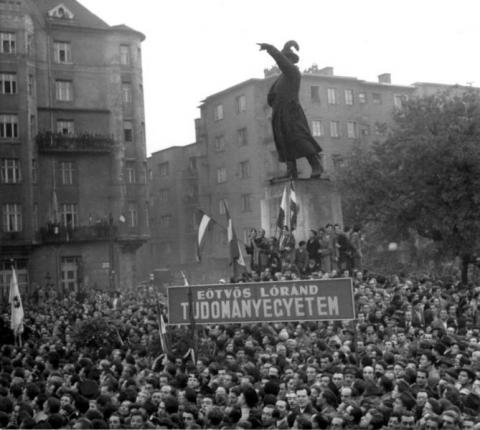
(410, 359)
(301, 338)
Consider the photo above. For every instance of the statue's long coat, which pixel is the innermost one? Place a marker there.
(290, 127)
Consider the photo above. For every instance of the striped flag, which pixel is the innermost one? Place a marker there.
(235, 251)
(16, 323)
(283, 210)
(202, 229)
(163, 334)
(293, 208)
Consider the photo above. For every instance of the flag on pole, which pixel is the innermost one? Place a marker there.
(283, 210)
(293, 208)
(202, 229)
(16, 306)
(163, 335)
(236, 256)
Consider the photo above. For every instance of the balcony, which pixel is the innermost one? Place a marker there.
(86, 142)
(57, 234)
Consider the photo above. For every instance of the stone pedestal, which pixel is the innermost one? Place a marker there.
(318, 200)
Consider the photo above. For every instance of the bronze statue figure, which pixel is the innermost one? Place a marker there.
(290, 127)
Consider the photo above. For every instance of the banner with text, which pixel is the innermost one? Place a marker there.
(305, 300)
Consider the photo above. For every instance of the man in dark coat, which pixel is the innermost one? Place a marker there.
(290, 127)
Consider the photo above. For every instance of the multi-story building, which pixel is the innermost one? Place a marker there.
(234, 136)
(72, 147)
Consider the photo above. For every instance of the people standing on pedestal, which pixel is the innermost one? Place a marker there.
(287, 245)
(325, 250)
(291, 133)
(312, 245)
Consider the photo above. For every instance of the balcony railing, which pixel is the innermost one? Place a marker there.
(55, 233)
(85, 142)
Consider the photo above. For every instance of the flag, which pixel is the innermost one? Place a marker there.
(190, 353)
(283, 210)
(236, 256)
(54, 213)
(202, 229)
(163, 334)
(16, 305)
(293, 208)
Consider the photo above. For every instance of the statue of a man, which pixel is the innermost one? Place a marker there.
(290, 126)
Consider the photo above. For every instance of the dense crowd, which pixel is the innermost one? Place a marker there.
(411, 359)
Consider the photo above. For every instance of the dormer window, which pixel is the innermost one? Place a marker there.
(61, 12)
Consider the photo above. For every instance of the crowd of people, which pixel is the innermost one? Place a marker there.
(411, 359)
(328, 251)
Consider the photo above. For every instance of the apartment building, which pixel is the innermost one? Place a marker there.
(73, 192)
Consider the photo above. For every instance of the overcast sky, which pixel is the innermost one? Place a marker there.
(194, 48)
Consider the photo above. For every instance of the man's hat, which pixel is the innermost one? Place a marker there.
(287, 51)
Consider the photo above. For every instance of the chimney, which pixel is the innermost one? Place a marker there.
(385, 78)
(326, 71)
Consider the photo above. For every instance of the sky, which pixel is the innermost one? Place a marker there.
(195, 48)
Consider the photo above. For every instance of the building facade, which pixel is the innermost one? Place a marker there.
(73, 191)
(235, 140)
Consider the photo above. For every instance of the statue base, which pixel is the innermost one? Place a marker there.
(318, 201)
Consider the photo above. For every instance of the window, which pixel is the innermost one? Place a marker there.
(332, 96)
(317, 128)
(362, 98)
(8, 43)
(66, 172)
(126, 93)
(65, 126)
(34, 171)
(30, 85)
(64, 91)
(165, 220)
(147, 215)
(8, 126)
(62, 52)
(128, 131)
(33, 125)
(315, 94)
(132, 215)
(241, 103)
(349, 97)
(218, 112)
(365, 130)
(69, 273)
(242, 136)
(221, 175)
(246, 202)
(125, 55)
(69, 214)
(10, 172)
(164, 169)
(377, 98)
(245, 169)
(131, 173)
(398, 100)
(219, 143)
(337, 160)
(12, 217)
(29, 43)
(163, 195)
(351, 129)
(221, 207)
(35, 216)
(192, 164)
(334, 129)
(380, 128)
(8, 83)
